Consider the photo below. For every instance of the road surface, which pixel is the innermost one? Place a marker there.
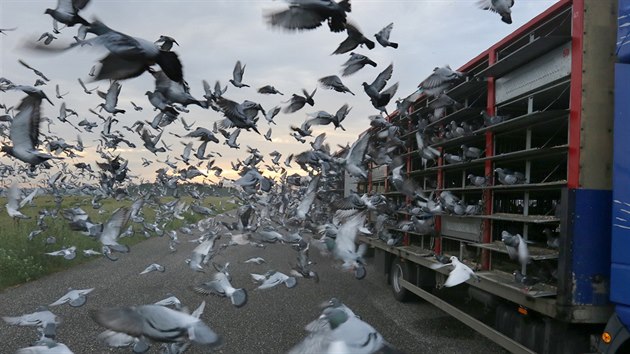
(271, 322)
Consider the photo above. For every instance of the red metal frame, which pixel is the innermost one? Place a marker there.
(575, 105)
(486, 237)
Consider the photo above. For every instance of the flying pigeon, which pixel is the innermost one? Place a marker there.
(67, 253)
(74, 298)
(237, 75)
(379, 97)
(354, 39)
(382, 36)
(516, 247)
(309, 14)
(459, 274)
(67, 12)
(502, 7)
(158, 323)
(269, 90)
(355, 63)
(333, 82)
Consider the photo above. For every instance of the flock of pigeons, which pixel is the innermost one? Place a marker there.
(271, 209)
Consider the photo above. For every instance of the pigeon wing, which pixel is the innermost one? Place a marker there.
(382, 78)
(295, 18)
(111, 229)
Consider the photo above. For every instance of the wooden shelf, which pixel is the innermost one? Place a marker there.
(458, 116)
(507, 280)
(525, 121)
(535, 253)
(532, 219)
(523, 55)
(460, 140)
(468, 88)
(406, 232)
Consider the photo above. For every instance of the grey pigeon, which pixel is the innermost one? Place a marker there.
(382, 36)
(489, 120)
(85, 89)
(325, 118)
(220, 285)
(237, 75)
(37, 72)
(297, 102)
(269, 90)
(67, 12)
(355, 63)
(379, 97)
(47, 37)
(158, 323)
(355, 38)
(333, 82)
(241, 115)
(509, 177)
(24, 131)
(111, 98)
(120, 340)
(130, 56)
(478, 181)
(42, 318)
(310, 14)
(440, 81)
(167, 42)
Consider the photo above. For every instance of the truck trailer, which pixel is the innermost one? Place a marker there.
(560, 87)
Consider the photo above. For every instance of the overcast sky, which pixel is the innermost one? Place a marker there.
(214, 34)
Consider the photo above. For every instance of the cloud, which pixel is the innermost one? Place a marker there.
(214, 34)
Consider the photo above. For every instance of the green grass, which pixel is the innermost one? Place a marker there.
(22, 260)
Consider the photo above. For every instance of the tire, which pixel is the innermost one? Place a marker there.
(399, 270)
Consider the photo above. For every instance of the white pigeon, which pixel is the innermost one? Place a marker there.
(74, 298)
(257, 260)
(170, 301)
(13, 204)
(67, 253)
(50, 347)
(460, 273)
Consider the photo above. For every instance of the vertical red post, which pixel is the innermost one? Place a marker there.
(486, 237)
(575, 105)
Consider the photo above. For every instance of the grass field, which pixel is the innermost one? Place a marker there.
(22, 260)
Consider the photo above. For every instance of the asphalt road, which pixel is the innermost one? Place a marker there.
(271, 322)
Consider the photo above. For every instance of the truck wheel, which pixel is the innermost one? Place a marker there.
(399, 271)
